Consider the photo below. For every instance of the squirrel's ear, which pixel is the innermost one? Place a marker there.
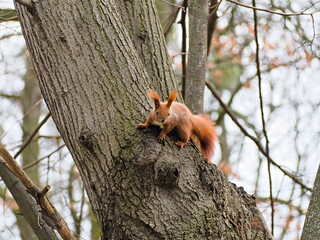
(154, 96)
(172, 97)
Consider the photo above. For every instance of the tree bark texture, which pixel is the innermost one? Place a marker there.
(311, 227)
(94, 68)
(197, 55)
(27, 206)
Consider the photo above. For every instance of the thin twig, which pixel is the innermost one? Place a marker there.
(214, 8)
(262, 113)
(273, 12)
(172, 4)
(289, 203)
(254, 139)
(31, 136)
(40, 159)
(313, 30)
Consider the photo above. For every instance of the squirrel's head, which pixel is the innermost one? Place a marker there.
(161, 110)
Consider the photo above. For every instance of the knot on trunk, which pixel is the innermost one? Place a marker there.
(86, 138)
(148, 150)
(167, 175)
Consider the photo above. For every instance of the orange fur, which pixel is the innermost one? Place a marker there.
(169, 115)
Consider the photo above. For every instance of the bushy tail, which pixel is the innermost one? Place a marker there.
(205, 132)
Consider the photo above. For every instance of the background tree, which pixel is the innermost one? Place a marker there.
(30, 101)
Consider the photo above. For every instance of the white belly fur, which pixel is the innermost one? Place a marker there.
(160, 124)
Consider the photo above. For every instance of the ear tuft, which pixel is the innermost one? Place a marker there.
(172, 97)
(154, 96)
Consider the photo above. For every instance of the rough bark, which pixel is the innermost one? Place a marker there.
(197, 55)
(311, 227)
(143, 25)
(93, 78)
(27, 205)
(47, 211)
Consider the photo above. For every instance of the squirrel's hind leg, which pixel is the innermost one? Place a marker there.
(184, 134)
(181, 143)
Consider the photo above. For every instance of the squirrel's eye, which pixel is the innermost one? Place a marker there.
(157, 113)
(168, 114)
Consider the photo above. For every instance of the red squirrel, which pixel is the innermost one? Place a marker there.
(169, 115)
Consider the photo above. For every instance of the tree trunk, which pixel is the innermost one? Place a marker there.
(93, 74)
(31, 112)
(311, 227)
(197, 55)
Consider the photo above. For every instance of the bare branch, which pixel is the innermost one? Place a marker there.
(262, 113)
(31, 164)
(273, 12)
(254, 139)
(29, 139)
(48, 211)
(26, 3)
(174, 5)
(9, 96)
(27, 205)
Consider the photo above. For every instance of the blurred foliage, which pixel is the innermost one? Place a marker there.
(8, 15)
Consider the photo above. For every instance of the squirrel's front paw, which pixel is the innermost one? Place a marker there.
(141, 125)
(161, 138)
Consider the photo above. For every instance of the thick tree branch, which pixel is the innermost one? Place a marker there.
(27, 205)
(49, 213)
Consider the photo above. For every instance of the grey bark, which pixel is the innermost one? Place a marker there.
(143, 26)
(197, 55)
(93, 78)
(27, 205)
(311, 227)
